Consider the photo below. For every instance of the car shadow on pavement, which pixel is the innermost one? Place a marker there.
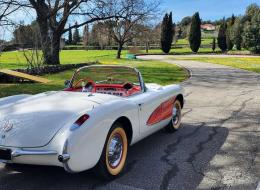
(161, 161)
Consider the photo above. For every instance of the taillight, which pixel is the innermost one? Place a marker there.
(79, 122)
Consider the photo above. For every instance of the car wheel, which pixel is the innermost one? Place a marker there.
(175, 122)
(113, 158)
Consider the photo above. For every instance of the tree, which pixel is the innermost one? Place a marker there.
(27, 35)
(167, 33)
(195, 33)
(52, 18)
(213, 44)
(76, 36)
(100, 34)
(7, 8)
(184, 26)
(222, 38)
(124, 28)
(251, 11)
(237, 32)
(70, 40)
(229, 36)
(85, 36)
(252, 34)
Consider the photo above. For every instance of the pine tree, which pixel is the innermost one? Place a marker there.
(76, 36)
(222, 38)
(70, 37)
(167, 33)
(213, 44)
(195, 33)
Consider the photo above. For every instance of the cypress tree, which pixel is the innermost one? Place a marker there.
(76, 36)
(230, 38)
(222, 36)
(214, 44)
(237, 32)
(167, 33)
(195, 33)
(70, 37)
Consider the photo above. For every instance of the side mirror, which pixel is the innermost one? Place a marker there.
(67, 83)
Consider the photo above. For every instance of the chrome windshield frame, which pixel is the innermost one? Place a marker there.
(139, 75)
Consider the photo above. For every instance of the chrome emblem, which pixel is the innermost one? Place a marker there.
(8, 126)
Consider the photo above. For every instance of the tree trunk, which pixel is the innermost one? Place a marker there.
(147, 47)
(119, 50)
(50, 41)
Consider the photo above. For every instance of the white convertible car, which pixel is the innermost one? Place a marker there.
(91, 123)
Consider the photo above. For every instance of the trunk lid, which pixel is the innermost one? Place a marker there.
(33, 121)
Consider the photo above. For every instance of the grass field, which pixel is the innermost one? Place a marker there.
(246, 63)
(15, 59)
(152, 71)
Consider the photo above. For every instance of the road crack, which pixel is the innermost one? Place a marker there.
(171, 148)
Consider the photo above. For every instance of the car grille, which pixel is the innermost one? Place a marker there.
(5, 154)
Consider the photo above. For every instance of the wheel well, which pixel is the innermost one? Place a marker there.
(181, 99)
(127, 127)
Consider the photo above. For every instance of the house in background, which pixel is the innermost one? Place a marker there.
(208, 27)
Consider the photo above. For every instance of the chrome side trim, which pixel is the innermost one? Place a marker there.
(17, 153)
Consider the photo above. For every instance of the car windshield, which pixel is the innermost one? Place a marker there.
(114, 80)
(106, 75)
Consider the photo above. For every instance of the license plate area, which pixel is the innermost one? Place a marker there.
(5, 154)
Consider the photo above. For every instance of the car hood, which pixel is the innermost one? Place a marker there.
(36, 119)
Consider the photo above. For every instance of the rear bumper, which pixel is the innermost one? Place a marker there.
(17, 153)
(33, 157)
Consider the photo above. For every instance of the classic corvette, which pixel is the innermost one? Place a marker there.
(91, 123)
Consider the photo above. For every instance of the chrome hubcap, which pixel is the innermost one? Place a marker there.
(176, 112)
(115, 151)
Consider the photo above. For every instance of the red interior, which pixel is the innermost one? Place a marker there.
(113, 89)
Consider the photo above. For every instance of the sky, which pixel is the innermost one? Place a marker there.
(208, 9)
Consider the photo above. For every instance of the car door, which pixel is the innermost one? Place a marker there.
(149, 103)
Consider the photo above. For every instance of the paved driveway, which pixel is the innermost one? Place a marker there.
(218, 146)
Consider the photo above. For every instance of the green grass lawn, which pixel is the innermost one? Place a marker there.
(246, 63)
(152, 71)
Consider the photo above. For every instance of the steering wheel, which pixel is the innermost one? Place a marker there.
(84, 80)
(128, 86)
